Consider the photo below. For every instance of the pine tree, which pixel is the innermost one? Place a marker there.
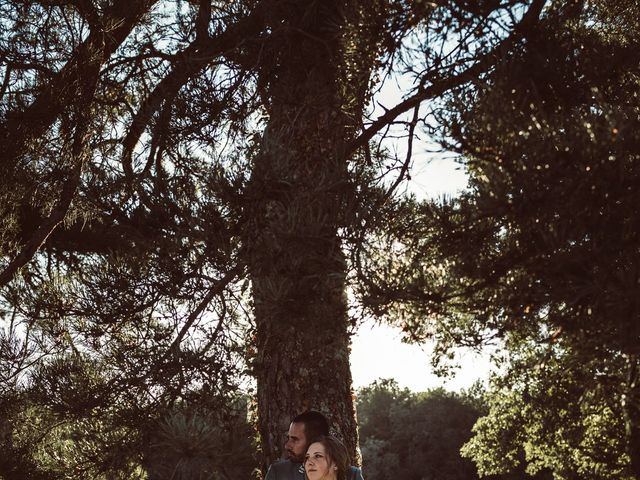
(161, 157)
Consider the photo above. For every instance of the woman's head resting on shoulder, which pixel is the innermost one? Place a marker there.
(326, 459)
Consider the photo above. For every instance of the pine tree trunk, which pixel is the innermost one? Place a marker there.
(297, 266)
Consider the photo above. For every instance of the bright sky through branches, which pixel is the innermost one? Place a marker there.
(377, 351)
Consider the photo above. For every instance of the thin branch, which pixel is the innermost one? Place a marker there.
(407, 160)
(215, 290)
(40, 236)
(5, 81)
(441, 86)
(189, 63)
(202, 22)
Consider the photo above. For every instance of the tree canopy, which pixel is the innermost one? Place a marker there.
(540, 253)
(198, 191)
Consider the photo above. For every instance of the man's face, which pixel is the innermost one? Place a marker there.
(295, 445)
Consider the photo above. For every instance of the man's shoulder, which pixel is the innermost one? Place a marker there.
(283, 465)
(355, 473)
(284, 470)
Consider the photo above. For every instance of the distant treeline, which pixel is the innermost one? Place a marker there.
(418, 436)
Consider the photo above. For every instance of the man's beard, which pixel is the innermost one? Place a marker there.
(293, 457)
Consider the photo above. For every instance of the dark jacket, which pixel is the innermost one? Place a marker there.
(288, 470)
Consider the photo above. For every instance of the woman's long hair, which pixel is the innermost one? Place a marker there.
(336, 454)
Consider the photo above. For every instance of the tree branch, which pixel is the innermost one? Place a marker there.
(83, 68)
(438, 87)
(188, 64)
(216, 289)
(46, 228)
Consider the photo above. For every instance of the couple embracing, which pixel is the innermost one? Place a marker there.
(312, 453)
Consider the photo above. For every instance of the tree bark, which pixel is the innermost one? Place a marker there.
(297, 192)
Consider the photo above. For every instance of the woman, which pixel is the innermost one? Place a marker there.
(326, 459)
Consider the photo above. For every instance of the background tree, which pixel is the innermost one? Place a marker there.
(414, 435)
(419, 435)
(546, 414)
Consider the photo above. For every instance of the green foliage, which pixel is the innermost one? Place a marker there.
(40, 442)
(553, 168)
(16, 460)
(540, 253)
(205, 445)
(546, 414)
(414, 435)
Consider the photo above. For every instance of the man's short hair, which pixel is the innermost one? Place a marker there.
(315, 424)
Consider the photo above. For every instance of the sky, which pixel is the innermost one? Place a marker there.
(377, 351)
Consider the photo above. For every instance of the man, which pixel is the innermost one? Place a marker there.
(302, 430)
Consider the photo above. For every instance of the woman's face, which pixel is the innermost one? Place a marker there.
(317, 464)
